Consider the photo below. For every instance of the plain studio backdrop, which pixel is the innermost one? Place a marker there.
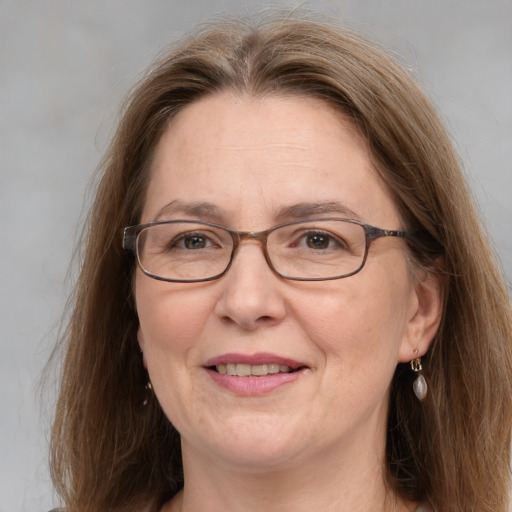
(64, 68)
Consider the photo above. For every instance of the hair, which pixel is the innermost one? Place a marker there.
(109, 452)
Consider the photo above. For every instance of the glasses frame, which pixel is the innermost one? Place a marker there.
(131, 234)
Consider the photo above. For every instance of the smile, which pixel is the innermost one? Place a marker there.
(252, 370)
(254, 374)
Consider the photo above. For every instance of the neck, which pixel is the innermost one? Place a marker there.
(357, 484)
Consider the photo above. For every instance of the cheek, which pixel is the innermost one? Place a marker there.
(171, 322)
(361, 320)
(170, 316)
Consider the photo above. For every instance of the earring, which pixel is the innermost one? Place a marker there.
(420, 384)
(149, 389)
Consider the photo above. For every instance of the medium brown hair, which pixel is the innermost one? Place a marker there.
(109, 452)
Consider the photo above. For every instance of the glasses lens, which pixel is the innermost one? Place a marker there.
(318, 249)
(184, 251)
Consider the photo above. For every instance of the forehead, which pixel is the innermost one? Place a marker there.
(252, 157)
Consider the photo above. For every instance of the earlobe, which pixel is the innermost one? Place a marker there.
(424, 315)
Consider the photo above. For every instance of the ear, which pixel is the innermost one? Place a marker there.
(140, 339)
(424, 315)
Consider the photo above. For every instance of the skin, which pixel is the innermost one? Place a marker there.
(316, 443)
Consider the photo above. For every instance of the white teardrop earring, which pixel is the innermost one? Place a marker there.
(420, 384)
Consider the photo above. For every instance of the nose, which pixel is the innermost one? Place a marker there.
(251, 296)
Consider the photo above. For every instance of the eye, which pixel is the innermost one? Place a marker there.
(320, 240)
(195, 242)
(192, 241)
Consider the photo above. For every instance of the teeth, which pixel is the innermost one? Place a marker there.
(243, 370)
(259, 369)
(273, 368)
(254, 370)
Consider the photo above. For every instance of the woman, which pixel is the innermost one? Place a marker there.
(287, 301)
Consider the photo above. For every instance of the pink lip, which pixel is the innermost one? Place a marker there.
(253, 386)
(259, 358)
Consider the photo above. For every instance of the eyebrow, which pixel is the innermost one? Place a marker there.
(205, 210)
(303, 210)
(200, 209)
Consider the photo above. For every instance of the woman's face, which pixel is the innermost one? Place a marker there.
(245, 161)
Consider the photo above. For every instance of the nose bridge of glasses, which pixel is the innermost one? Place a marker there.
(257, 236)
(260, 236)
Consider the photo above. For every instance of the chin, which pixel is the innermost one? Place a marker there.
(254, 444)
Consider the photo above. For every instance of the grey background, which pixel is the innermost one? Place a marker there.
(64, 67)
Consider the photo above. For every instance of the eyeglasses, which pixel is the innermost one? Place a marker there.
(188, 251)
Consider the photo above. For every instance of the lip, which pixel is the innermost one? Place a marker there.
(254, 386)
(258, 358)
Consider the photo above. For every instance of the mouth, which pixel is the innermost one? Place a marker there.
(253, 370)
(255, 365)
(256, 374)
